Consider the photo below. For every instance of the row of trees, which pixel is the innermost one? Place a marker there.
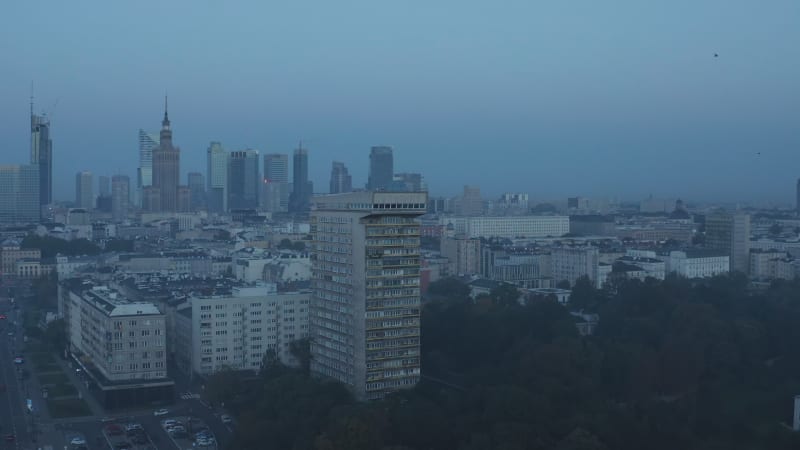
(674, 364)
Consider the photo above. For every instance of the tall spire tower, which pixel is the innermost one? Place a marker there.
(166, 168)
(42, 154)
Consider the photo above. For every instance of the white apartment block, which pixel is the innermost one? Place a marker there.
(510, 227)
(123, 340)
(571, 263)
(365, 315)
(698, 264)
(238, 330)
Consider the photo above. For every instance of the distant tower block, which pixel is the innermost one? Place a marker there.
(796, 421)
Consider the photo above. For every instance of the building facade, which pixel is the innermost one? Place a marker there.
(365, 311)
(276, 183)
(42, 155)
(303, 189)
(197, 188)
(217, 178)
(120, 197)
(166, 168)
(341, 181)
(381, 168)
(730, 233)
(19, 194)
(510, 227)
(243, 179)
(571, 263)
(84, 194)
(698, 263)
(144, 174)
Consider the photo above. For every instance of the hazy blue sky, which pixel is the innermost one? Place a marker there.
(553, 98)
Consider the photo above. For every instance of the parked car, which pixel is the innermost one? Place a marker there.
(77, 441)
(160, 412)
(226, 419)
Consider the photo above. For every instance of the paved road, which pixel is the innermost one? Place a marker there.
(13, 416)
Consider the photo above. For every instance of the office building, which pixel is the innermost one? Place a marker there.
(698, 263)
(510, 227)
(120, 197)
(571, 263)
(217, 178)
(341, 181)
(166, 167)
(238, 330)
(365, 311)
(730, 233)
(184, 199)
(275, 187)
(144, 174)
(244, 181)
(84, 195)
(19, 194)
(463, 254)
(381, 168)
(104, 185)
(302, 188)
(120, 345)
(197, 188)
(409, 182)
(470, 203)
(42, 155)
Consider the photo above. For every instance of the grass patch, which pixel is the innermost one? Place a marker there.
(68, 407)
(53, 378)
(62, 390)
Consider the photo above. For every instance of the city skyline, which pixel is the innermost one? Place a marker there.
(578, 100)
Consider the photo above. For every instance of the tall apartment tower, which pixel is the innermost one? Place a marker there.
(243, 179)
(341, 181)
(84, 195)
(166, 167)
(275, 188)
(197, 191)
(730, 232)
(381, 168)
(365, 310)
(303, 189)
(19, 194)
(42, 155)
(144, 174)
(217, 178)
(120, 197)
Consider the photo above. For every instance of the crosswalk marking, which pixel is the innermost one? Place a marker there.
(189, 396)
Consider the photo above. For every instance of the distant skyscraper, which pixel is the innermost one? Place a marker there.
(197, 188)
(217, 178)
(797, 206)
(243, 179)
(364, 317)
(144, 176)
(730, 233)
(166, 167)
(120, 197)
(300, 198)
(84, 195)
(19, 194)
(275, 188)
(184, 200)
(104, 185)
(341, 181)
(381, 168)
(42, 155)
(471, 203)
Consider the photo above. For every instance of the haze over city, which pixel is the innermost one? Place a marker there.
(552, 99)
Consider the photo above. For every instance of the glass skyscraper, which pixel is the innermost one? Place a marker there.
(19, 194)
(243, 179)
(217, 178)
(381, 168)
(42, 156)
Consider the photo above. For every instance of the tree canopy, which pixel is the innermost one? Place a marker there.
(52, 246)
(673, 364)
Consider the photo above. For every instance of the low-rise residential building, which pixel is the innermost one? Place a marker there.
(464, 254)
(11, 251)
(241, 329)
(119, 344)
(771, 265)
(698, 263)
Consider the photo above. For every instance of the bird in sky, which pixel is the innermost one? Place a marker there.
(716, 55)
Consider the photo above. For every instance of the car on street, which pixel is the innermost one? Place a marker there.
(160, 412)
(10, 333)
(10, 438)
(226, 419)
(18, 360)
(3, 316)
(77, 441)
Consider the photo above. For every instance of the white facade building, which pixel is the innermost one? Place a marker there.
(571, 263)
(698, 264)
(509, 226)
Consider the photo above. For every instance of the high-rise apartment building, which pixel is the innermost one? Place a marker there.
(303, 189)
(84, 195)
(197, 189)
(381, 168)
(144, 174)
(275, 188)
(166, 167)
(20, 202)
(120, 197)
(341, 181)
(243, 179)
(471, 203)
(217, 178)
(365, 312)
(42, 155)
(730, 232)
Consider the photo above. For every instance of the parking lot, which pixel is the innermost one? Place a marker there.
(189, 433)
(121, 435)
